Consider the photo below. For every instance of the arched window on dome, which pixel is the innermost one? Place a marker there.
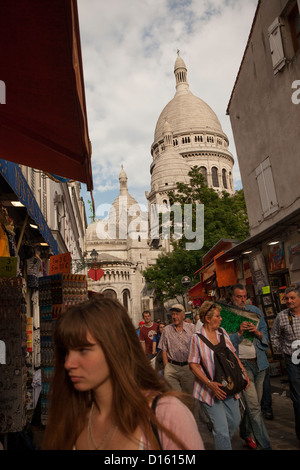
(215, 177)
(125, 298)
(203, 171)
(224, 178)
(110, 293)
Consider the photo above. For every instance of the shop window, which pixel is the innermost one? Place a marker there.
(264, 177)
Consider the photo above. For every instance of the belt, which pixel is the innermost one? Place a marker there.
(178, 363)
(253, 359)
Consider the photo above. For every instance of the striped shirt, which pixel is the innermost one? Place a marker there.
(176, 343)
(285, 331)
(199, 353)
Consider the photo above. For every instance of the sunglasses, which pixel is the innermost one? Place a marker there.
(212, 306)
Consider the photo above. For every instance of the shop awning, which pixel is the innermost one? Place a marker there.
(226, 272)
(16, 180)
(197, 292)
(43, 119)
(207, 271)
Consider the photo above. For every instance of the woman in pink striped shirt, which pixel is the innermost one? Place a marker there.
(222, 410)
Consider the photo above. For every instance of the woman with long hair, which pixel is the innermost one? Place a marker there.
(103, 387)
(222, 409)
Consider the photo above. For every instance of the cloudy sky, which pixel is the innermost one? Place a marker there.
(129, 48)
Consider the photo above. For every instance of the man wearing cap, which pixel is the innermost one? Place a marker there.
(174, 343)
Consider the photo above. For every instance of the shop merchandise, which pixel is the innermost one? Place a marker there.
(56, 294)
(13, 377)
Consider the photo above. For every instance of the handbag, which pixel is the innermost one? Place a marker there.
(227, 369)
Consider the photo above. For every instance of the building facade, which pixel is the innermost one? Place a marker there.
(264, 110)
(188, 133)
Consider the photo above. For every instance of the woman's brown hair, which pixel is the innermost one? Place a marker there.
(208, 308)
(131, 374)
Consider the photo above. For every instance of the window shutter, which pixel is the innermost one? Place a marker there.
(276, 45)
(266, 188)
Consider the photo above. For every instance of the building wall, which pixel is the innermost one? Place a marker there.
(265, 121)
(63, 209)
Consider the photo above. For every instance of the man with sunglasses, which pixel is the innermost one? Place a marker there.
(253, 356)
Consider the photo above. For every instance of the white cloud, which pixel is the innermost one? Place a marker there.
(129, 50)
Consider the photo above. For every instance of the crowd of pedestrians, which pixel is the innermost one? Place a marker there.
(118, 388)
(184, 356)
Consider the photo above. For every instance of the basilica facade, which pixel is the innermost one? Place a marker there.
(188, 133)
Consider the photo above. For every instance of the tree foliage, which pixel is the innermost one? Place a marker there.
(225, 216)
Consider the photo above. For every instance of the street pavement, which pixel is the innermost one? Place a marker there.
(281, 429)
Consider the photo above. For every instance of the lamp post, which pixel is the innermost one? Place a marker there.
(95, 273)
(94, 255)
(185, 282)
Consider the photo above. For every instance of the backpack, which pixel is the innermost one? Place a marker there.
(227, 368)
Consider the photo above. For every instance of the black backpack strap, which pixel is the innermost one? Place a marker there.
(211, 346)
(154, 428)
(206, 341)
(222, 338)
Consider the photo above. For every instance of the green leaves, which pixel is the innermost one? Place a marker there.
(224, 217)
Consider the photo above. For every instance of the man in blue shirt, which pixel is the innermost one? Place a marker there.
(253, 356)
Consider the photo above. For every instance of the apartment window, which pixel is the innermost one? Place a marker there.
(266, 187)
(294, 22)
(276, 45)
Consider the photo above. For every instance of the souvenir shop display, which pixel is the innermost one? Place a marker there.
(13, 370)
(56, 293)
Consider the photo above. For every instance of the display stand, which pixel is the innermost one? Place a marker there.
(13, 371)
(56, 293)
(270, 311)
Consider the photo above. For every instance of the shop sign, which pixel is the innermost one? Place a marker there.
(8, 266)
(60, 264)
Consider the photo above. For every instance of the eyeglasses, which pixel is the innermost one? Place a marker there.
(212, 306)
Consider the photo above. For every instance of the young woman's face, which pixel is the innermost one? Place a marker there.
(87, 366)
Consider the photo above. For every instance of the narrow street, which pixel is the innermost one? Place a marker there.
(281, 429)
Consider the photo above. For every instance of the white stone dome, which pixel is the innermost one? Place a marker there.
(187, 113)
(177, 171)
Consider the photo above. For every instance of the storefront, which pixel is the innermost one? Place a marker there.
(43, 125)
(216, 275)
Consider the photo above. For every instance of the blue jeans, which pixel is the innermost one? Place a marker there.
(225, 418)
(293, 371)
(252, 421)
